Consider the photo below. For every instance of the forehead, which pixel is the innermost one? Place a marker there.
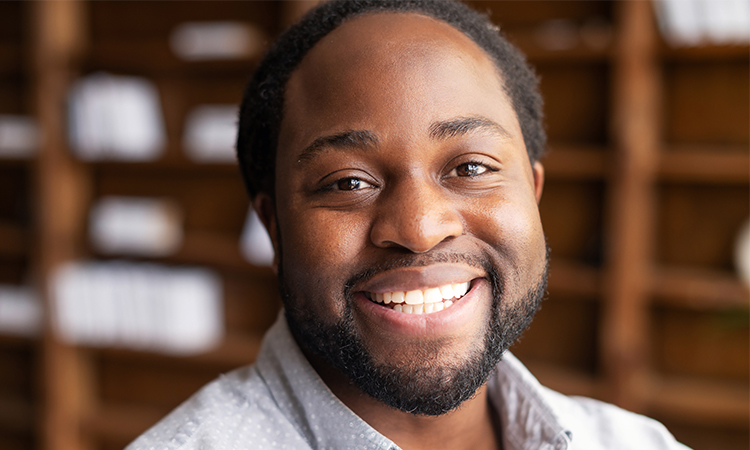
(382, 69)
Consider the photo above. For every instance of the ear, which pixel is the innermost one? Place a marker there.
(538, 170)
(266, 211)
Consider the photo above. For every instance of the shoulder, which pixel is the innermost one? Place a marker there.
(235, 411)
(599, 425)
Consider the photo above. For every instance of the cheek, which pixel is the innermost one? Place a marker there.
(319, 250)
(514, 229)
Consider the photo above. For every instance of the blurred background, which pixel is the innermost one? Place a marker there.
(132, 273)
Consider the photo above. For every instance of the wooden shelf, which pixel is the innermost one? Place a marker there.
(235, 350)
(565, 380)
(167, 165)
(11, 60)
(529, 41)
(17, 414)
(16, 341)
(13, 240)
(708, 53)
(700, 289)
(719, 164)
(700, 401)
(576, 162)
(574, 278)
(154, 56)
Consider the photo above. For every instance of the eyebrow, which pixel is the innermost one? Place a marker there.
(364, 139)
(352, 139)
(464, 125)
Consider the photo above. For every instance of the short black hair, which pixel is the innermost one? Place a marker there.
(262, 105)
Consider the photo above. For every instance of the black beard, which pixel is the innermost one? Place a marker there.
(421, 389)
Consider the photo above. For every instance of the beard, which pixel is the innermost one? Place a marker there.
(424, 386)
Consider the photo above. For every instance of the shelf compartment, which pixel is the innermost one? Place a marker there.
(235, 350)
(576, 162)
(700, 401)
(720, 164)
(13, 240)
(17, 414)
(10, 58)
(573, 278)
(699, 289)
(707, 53)
(153, 56)
(565, 380)
(528, 41)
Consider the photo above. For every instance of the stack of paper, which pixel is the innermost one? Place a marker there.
(20, 311)
(211, 133)
(204, 41)
(19, 136)
(116, 118)
(137, 226)
(701, 22)
(139, 305)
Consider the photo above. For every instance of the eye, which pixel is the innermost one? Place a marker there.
(351, 184)
(471, 169)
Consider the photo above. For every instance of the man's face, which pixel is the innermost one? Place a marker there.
(401, 172)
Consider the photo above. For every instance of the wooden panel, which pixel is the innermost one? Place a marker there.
(575, 102)
(210, 201)
(519, 13)
(563, 333)
(698, 225)
(572, 217)
(707, 103)
(702, 437)
(713, 344)
(121, 20)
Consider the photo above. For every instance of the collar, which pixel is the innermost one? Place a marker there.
(528, 418)
(302, 396)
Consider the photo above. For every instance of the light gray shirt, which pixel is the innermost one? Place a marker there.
(280, 402)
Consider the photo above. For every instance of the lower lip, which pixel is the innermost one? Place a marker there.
(441, 323)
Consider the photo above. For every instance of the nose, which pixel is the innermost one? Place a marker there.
(417, 216)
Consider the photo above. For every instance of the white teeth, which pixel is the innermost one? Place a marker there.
(432, 296)
(447, 291)
(460, 289)
(419, 302)
(414, 298)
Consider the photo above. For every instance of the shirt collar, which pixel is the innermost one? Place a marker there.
(319, 416)
(528, 419)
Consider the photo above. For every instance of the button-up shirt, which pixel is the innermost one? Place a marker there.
(280, 402)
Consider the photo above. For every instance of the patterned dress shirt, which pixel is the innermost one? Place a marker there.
(281, 403)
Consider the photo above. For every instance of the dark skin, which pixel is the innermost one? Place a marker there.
(398, 140)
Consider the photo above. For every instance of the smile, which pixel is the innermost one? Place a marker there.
(421, 302)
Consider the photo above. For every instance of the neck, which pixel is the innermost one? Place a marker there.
(471, 426)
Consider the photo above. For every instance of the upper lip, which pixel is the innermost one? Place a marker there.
(420, 278)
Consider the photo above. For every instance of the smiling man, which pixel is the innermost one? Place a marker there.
(391, 149)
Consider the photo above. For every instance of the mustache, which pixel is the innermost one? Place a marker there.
(483, 262)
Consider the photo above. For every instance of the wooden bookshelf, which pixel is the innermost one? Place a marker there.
(633, 155)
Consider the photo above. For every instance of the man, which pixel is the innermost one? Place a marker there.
(391, 149)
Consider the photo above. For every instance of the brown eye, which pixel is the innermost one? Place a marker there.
(470, 170)
(352, 184)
